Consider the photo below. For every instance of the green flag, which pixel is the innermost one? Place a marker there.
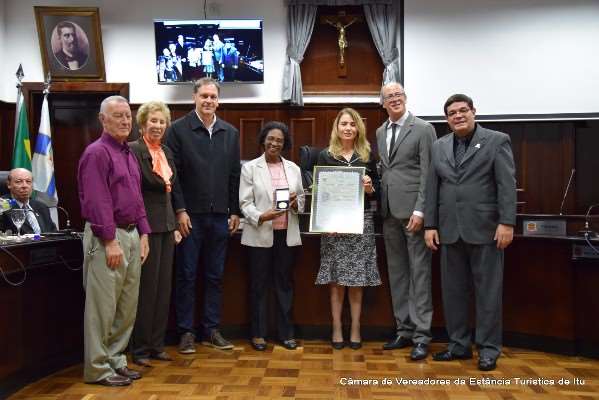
(21, 153)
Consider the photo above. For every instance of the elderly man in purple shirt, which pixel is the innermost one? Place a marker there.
(115, 245)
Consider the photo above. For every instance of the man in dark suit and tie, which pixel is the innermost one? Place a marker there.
(404, 144)
(20, 185)
(470, 212)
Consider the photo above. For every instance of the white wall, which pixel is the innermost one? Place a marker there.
(128, 38)
(2, 79)
(511, 56)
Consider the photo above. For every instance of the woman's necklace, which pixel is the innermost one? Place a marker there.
(347, 154)
(347, 157)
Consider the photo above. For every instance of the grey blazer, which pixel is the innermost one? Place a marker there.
(469, 201)
(404, 172)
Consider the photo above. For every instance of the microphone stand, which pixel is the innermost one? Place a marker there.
(66, 214)
(587, 232)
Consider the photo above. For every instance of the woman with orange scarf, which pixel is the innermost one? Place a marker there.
(158, 176)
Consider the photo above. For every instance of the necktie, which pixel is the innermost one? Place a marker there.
(32, 220)
(393, 129)
(460, 150)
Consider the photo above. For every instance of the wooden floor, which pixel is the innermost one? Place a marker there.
(315, 371)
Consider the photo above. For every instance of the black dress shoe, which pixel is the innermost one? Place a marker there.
(129, 373)
(449, 356)
(142, 361)
(289, 344)
(162, 356)
(487, 364)
(337, 345)
(258, 346)
(114, 380)
(419, 352)
(355, 345)
(398, 343)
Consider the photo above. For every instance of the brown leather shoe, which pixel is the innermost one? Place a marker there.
(115, 380)
(162, 356)
(129, 373)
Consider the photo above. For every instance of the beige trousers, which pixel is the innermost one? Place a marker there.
(110, 303)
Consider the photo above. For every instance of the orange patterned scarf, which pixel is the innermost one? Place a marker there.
(159, 163)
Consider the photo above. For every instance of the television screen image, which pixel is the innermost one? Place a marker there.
(228, 50)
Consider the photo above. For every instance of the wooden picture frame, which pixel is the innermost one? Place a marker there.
(71, 43)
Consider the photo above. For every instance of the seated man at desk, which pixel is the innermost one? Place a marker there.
(20, 185)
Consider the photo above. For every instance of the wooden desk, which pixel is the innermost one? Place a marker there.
(41, 320)
(549, 300)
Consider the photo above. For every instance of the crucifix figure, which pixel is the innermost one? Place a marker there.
(341, 41)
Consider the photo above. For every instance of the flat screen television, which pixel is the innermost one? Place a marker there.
(228, 50)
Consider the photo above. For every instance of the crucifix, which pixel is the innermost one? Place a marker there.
(341, 22)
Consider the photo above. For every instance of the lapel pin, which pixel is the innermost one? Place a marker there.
(477, 146)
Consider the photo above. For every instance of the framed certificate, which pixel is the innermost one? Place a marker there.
(337, 200)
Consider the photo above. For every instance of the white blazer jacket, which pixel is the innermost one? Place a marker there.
(256, 197)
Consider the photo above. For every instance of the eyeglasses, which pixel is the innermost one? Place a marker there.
(395, 95)
(461, 111)
(274, 140)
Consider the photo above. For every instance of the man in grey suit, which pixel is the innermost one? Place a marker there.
(470, 213)
(404, 144)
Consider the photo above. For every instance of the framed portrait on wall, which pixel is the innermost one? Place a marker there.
(71, 43)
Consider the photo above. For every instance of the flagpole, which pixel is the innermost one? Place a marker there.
(47, 84)
(20, 75)
(42, 162)
(21, 152)
(53, 210)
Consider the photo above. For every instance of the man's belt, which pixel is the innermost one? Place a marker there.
(127, 227)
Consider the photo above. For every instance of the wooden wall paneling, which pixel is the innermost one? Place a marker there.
(320, 67)
(41, 320)
(544, 159)
(7, 129)
(248, 132)
(518, 139)
(541, 267)
(550, 151)
(586, 282)
(249, 121)
(236, 299)
(308, 126)
(303, 131)
(587, 166)
(180, 110)
(544, 151)
(372, 118)
(74, 111)
(11, 318)
(567, 133)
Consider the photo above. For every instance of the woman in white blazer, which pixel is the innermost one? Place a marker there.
(271, 235)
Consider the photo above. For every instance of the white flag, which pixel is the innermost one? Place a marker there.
(42, 164)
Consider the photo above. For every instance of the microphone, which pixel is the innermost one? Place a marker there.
(561, 207)
(587, 232)
(68, 221)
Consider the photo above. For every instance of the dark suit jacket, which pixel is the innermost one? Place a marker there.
(208, 167)
(157, 200)
(42, 214)
(79, 56)
(468, 201)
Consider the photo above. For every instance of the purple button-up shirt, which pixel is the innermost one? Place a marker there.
(109, 182)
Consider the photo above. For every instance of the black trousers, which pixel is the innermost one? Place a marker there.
(465, 267)
(272, 265)
(154, 297)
